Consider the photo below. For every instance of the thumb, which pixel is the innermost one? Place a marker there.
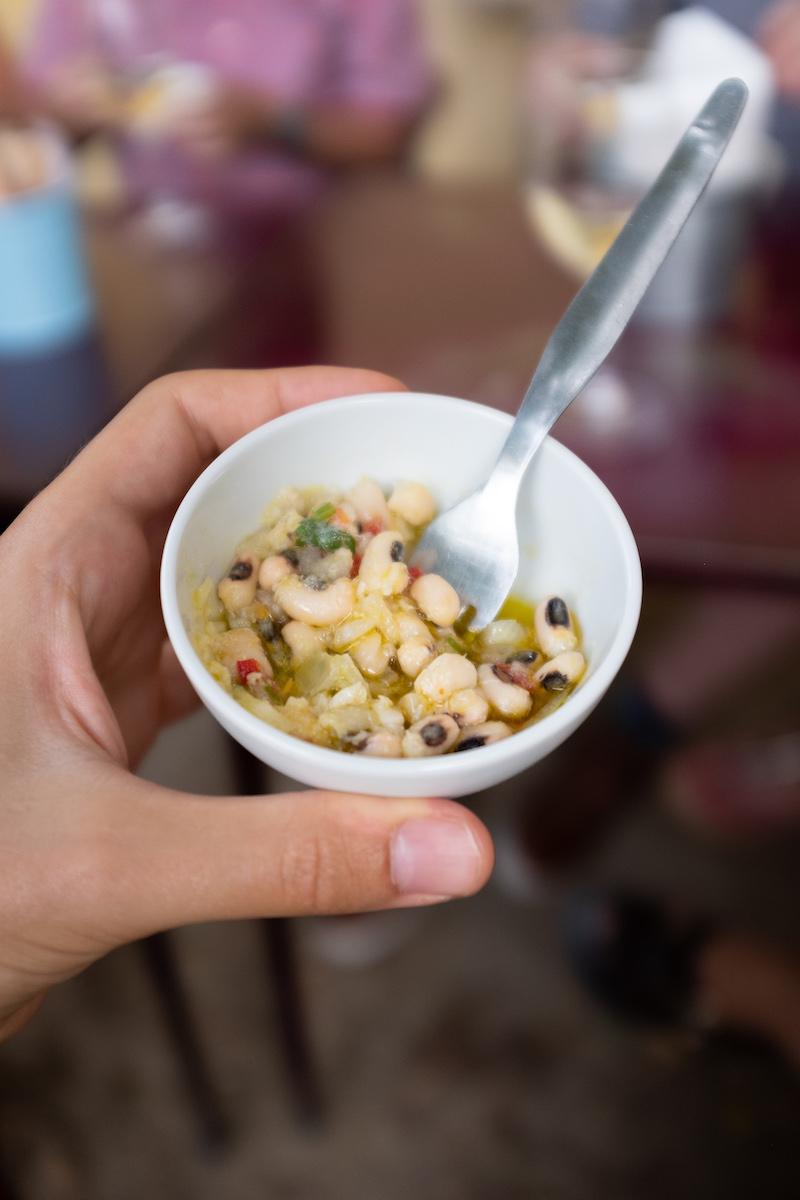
(185, 858)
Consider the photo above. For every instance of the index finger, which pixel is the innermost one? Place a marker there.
(150, 454)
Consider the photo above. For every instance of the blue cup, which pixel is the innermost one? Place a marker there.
(45, 298)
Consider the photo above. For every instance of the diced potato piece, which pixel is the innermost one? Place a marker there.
(504, 633)
(351, 630)
(327, 673)
(340, 722)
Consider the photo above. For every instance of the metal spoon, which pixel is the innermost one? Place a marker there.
(474, 545)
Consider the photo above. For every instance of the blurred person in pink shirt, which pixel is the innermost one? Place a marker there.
(271, 93)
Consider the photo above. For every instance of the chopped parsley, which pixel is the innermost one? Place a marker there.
(313, 532)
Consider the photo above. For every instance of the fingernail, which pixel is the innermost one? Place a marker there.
(434, 858)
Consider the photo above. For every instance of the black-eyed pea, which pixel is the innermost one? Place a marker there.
(382, 744)
(318, 606)
(437, 599)
(372, 654)
(273, 570)
(468, 706)
(520, 668)
(435, 734)
(446, 674)
(238, 588)
(482, 735)
(236, 646)
(562, 671)
(382, 568)
(507, 699)
(409, 625)
(368, 503)
(302, 640)
(413, 502)
(415, 654)
(552, 624)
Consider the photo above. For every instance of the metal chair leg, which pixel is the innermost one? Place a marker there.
(301, 1073)
(159, 954)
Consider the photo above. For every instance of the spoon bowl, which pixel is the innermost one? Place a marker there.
(476, 550)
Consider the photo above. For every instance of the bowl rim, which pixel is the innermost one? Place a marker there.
(585, 697)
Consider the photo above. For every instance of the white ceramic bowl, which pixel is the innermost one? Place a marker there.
(574, 541)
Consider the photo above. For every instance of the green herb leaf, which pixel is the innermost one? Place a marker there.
(317, 533)
(461, 624)
(324, 511)
(456, 646)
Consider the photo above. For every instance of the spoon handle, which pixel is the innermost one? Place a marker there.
(602, 308)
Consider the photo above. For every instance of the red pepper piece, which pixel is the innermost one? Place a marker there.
(246, 666)
(356, 567)
(372, 527)
(414, 573)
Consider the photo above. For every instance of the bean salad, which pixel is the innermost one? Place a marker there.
(321, 629)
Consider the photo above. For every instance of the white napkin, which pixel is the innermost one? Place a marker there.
(693, 50)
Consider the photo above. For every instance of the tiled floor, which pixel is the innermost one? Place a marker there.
(467, 1066)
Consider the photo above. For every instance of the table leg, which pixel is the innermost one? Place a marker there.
(283, 975)
(162, 966)
(295, 1043)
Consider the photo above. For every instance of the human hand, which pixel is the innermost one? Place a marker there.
(90, 855)
(779, 35)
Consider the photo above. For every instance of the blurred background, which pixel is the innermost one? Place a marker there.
(421, 187)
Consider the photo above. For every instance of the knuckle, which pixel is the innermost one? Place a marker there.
(329, 872)
(306, 876)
